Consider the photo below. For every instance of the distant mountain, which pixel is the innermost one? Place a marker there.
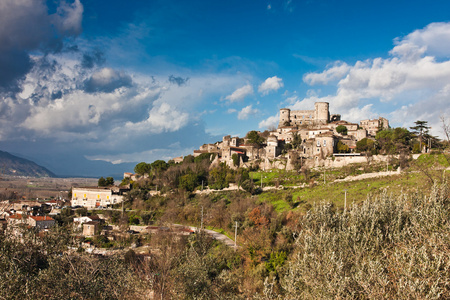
(17, 166)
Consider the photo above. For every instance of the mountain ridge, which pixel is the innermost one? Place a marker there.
(17, 166)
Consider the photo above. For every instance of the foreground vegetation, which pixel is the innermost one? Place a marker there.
(386, 247)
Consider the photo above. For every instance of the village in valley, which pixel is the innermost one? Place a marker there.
(313, 138)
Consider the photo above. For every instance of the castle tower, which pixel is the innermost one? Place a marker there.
(285, 116)
(322, 113)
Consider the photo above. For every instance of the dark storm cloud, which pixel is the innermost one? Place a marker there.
(25, 26)
(90, 60)
(178, 80)
(106, 81)
(13, 67)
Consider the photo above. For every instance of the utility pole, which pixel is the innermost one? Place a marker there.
(235, 235)
(345, 200)
(201, 224)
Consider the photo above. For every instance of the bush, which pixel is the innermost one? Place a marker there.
(394, 247)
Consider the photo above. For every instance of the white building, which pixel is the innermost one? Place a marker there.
(92, 197)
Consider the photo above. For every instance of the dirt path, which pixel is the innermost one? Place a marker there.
(217, 236)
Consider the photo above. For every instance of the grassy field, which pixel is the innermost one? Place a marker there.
(419, 177)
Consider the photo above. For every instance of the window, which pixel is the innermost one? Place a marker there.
(318, 143)
(324, 143)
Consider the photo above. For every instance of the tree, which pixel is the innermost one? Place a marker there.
(342, 148)
(235, 159)
(296, 140)
(159, 165)
(218, 177)
(420, 130)
(142, 168)
(365, 145)
(341, 129)
(109, 181)
(254, 138)
(102, 181)
(188, 182)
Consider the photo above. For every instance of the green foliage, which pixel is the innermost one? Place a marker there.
(218, 177)
(188, 182)
(342, 148)
(394, 141)
(109, 181)
(365, 145)
(341, 129)
(125, 181)
(142, 168)
(188, 159)
(276, 261)
(159, 165)
(235, 159)
(254, 138)
(101, 181)
(82, 211)
(133, 220)
(204, 157)
(296, 140)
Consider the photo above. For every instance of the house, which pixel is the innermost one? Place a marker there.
(91, 228)
(38, 222)
(78, 222)
(41, 222)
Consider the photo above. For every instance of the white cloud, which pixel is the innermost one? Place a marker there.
(107, 80)
(415, 75)
(270, 84)
(246, 112)
(240, 93)
(434, 39)
(270, 122)
(162, 118)
(148, 155)
(337, 71)
(231, 110)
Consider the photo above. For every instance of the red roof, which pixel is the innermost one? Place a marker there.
(41, 218)
(16, 216)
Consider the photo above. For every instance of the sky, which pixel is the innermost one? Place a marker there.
(91, 88)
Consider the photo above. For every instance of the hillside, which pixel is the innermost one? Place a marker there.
(17, 166)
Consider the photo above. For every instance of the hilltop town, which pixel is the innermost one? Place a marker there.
(312, 136)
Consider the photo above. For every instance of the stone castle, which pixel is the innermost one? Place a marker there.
(319, 116)
(315, 135)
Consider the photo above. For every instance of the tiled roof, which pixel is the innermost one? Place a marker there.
(42, 218)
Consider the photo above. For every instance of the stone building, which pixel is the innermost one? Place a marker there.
(372, 126)
(272, 148)
(91, 228)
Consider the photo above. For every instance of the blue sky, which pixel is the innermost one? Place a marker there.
(94, 87)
